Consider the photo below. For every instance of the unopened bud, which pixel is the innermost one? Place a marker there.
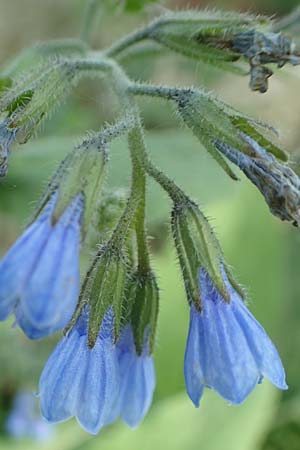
(212, 120)
(33, 97)
(222, 39)
(277, 182)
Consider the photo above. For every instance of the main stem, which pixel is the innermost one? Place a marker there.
(141, 163)
(135, 139)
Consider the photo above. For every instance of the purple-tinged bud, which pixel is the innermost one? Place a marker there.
(277, 182)
(212, 120)
(226, 39)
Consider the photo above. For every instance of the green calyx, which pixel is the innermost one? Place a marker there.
(83, 170)
(197, 247)
(212, 120)
(105, 288)
(143, 304)
(31, 98)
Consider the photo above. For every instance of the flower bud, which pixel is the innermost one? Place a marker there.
(277, 182)
(143, 302)
(212, 120)
(32, 97)
(198, 248)
(203, 35)
(222, 39)
(108, 213)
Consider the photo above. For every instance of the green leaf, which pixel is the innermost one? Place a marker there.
(175, 423)
(137, 5)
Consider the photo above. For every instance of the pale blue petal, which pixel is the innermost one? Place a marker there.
(100, 387)
(60, 389)
(137, 379)
(229, 367)
(238, 371)
(137, 390)
(193, 360)
(261, 346)
(17, 264)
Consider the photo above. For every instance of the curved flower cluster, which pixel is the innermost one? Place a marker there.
(97, 385)
(102, 369)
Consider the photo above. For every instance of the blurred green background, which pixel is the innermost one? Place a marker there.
(265, 253)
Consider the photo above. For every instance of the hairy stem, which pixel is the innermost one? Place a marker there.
(166, 92)
(127, 41)
(135, 140)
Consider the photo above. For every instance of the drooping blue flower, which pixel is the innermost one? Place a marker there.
(81, 382)
(24, 420)
(227, 349)
(39, 275)
(137, 379)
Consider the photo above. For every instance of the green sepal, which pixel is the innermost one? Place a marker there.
(212, 120)
(83, 170)
(20, 102)
(143, 302)
(193, 49)
(197, 247)
(209, 122)
(251, 127)
(33, 96)
(206, 35)
(107, 290)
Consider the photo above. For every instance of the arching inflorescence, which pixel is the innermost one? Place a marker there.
(102, 368)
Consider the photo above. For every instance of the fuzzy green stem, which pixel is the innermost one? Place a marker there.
(140, 160)
(166, 92)
(127, 41)
(136, 145)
